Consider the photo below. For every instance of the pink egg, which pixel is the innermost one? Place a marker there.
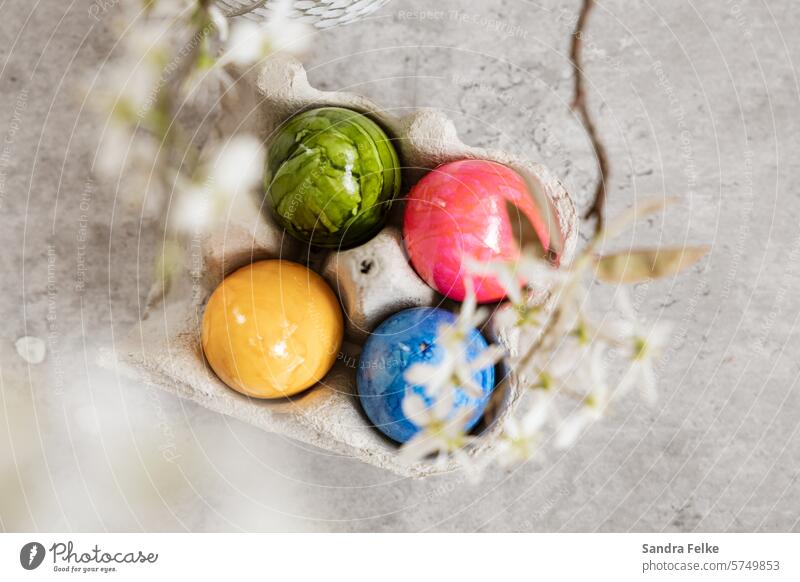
(460, 210)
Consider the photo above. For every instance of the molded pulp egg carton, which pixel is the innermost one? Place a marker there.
(372, 280)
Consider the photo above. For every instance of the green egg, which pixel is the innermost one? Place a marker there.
(331, 177)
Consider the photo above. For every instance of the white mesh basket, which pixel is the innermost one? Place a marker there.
(320, 13)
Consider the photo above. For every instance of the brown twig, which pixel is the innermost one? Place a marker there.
(596, 210)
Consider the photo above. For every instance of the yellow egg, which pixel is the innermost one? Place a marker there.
(272, 329)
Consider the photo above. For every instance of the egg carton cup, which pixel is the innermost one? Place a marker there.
(164, 350)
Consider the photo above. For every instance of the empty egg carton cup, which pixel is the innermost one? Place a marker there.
(372, 280)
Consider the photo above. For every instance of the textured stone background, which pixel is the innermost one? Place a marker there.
(697, 99)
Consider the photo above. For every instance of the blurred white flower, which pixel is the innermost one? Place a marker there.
(521, 436)
(150, 43)
(433, 377)
(112, 150)
(593, 378)
(417, 409)
(538, 272)
(469, 316)
(192, 212)
(553, 370)
(239, 165)
(138, 91)
(441, 429)
(236, 169)
(641, 345)
(219, 21)
(287, 34)
(247, 44)
(505, 273)
(250, 42)
(515, 276)
(454, 369)
(121, 148)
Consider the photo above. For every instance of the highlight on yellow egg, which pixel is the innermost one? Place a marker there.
(272, 329)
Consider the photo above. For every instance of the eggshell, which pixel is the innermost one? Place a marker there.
(461, 210)
(332, 174)
(272, 329)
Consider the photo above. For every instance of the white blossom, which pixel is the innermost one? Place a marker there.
(642, 346)
(236, 169)
(515, 276)
(454, 369)
(441, 429)
(193, 209)
(504, 272)
(219, 21)
(287, 34)
(250, 42)
(567, 367)
(593, 379)
(521, 436)
(247, 44)
(239, 165)
(121, 147)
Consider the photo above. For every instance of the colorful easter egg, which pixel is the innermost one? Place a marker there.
(332, 175)
(404, 339)
(461, 210)
(272, 329)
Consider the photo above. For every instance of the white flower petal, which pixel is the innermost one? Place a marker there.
(114, 146)
(539, 273)
(285, 33)
(419, 447)
(219, 21)
(536, 417)
(647, 386)
(629, 379)
(239, 165)
(468, 464)
(571, 428)
(512, 428)
(455, 428)
(488, 357)
(504, 273)
(659, 336)
(415, 409)
(624, 304)
(432, 377)
(443, 406)
(470, 303)
(192, 212)
(468, 384)
(246, 43)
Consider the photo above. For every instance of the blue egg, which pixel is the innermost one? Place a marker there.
(407, 338)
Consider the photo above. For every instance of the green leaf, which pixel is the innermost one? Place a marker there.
(639, 265)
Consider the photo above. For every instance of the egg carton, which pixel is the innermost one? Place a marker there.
(372, 280)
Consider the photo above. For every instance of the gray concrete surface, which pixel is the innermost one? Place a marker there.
(697, 99)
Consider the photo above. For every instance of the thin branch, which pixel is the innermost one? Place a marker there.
(597, 208)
